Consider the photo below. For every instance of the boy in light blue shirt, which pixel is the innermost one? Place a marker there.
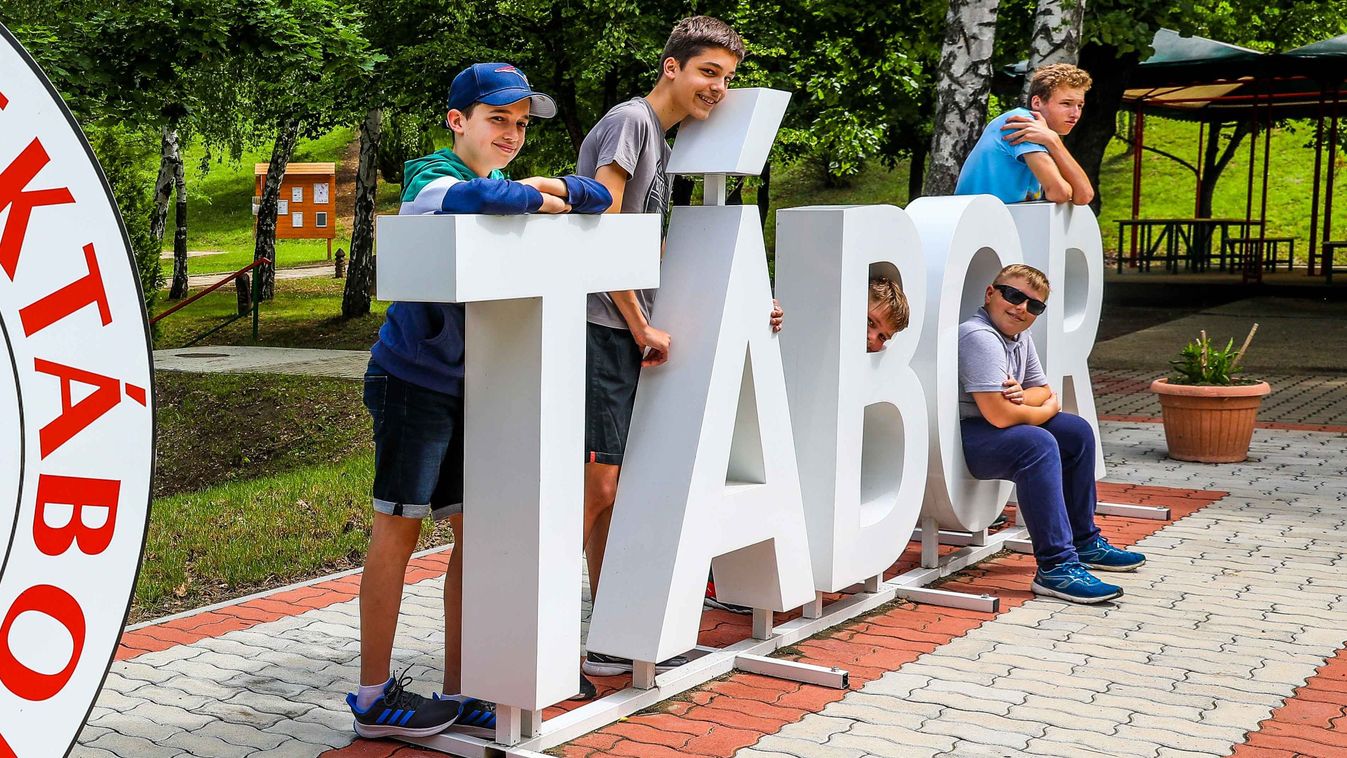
(1020, 156)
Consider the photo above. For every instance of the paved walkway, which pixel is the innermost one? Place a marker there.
(343, 364)
(294, 272)
(1230, 639)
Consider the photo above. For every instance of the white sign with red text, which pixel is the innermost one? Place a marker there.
(76, 417)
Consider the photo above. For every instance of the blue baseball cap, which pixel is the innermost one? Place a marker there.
(497, 84)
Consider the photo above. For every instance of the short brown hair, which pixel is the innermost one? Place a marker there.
(696, 33)
(885, 293)
(1049, 78)
(1035, 278)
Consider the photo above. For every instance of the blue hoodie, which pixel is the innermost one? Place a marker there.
(422, 343)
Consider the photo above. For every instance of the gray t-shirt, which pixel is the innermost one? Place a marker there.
(987, 358)
(629, 135)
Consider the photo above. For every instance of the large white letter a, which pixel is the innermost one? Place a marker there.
(709, 469)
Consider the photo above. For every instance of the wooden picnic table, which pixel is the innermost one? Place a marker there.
(1178, 239)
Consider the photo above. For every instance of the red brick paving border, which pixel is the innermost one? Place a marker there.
(1311, 723)
(231, 618)
(724, 716)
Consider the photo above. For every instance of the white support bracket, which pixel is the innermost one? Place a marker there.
(711, 663)
(805, 673)
(762, 624)
(643, 675)
(948, 599)
(1156, 513)
(1024, 547)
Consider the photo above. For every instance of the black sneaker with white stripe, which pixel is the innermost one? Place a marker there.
(400, 713)
(476, 718)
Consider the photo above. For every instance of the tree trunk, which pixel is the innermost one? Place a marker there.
(681, 192)
(179, 287)
(1056, 36)
(962, 83)
(1214, 161)
(916, 170)
(170, 155)
(265, 244)
(1110, 71)
(765, 193)
(355, 297)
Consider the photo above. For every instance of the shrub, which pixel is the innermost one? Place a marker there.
(1201, 363)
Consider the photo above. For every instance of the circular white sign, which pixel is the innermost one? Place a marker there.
(76, 417)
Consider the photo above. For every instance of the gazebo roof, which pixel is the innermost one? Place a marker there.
(1201, 79)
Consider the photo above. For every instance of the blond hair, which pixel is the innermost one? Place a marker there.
(1048, 79)
(1032, 276)
(885, 293)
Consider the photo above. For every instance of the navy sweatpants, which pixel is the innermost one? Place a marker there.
(1052, 467)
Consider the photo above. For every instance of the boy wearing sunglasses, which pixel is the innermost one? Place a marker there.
(1013, 428)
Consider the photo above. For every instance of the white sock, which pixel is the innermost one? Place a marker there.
(368, 693)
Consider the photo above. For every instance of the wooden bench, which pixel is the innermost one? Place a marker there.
(1267, 249)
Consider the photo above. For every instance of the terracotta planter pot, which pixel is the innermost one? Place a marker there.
(1209, 424)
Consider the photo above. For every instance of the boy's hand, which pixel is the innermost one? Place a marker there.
(554, 204)
(1013, 391)
(1025, 129)
(778, 315)
(546, 185)
(1053, 404)
(656, 342)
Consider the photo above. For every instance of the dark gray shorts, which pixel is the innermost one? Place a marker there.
(612, 367)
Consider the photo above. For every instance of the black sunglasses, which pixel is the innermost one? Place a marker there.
(1015, 297)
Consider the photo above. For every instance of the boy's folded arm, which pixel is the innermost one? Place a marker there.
(1001, 413)
(586, 195)
(496, 197)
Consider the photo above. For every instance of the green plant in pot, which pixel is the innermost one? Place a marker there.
(1209, 409)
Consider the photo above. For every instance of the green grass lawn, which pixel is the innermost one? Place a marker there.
(260, 480)
(219, 207)
(304, 313)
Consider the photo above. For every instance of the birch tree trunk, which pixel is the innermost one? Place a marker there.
(360, 272)
(179, 286)
(1056, 36)
(170, 156)
(265, 244)
(962, 84)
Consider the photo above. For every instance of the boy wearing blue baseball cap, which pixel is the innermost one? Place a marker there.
(414, 393)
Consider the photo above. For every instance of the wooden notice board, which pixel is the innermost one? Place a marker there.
(306, 207)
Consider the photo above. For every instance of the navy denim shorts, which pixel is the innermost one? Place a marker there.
(612, 366)
(418, 447)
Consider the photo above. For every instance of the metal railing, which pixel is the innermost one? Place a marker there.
(252, 310)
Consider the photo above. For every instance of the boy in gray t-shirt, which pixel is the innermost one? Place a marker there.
(627, 152)
(1013, 428)
(631, 138)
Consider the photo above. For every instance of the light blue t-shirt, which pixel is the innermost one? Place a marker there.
(996, 167)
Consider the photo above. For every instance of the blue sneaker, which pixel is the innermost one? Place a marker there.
(1070, 581)
(1101, 556)
(476, 718)
(400, 713)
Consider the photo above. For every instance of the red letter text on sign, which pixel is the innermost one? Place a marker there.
(83, 291)
(54, 603)
(75, 417)
(12, 182)
(81, 494)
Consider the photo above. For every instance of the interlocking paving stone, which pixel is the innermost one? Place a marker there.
(1239, 604)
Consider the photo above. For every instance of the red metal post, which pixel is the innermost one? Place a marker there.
(1326, 261)
(1201, 157)
(1138, 139)
(1314, 192)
